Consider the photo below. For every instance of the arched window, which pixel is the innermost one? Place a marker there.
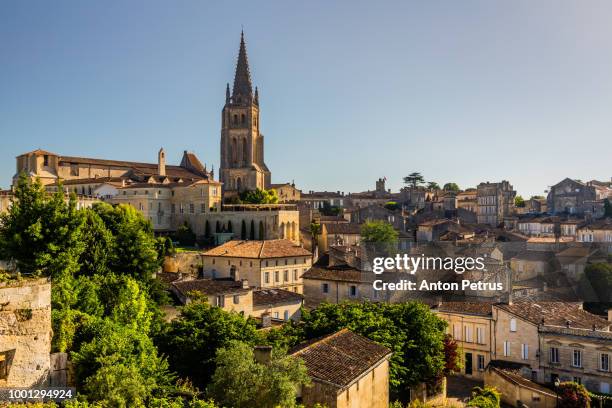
(238, 184)
(243, 118)
(244, 151)
(234, 152)
(235, 119)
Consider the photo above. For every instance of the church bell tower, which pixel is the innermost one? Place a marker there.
(242, 145)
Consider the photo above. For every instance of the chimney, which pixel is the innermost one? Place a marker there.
(263, 354)
(161, 162)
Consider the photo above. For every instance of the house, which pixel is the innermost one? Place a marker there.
(531, 264)
(339, 233)
(574, 259)
(508, 379)
(347, 370)
(377, 212)
(471, 325)
(279, 304)
(599, 232)
(575, 197)
(267, 264)
(287, 192)
(494, 202)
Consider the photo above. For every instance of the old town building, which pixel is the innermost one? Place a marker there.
(265, 264)
(242, 144)
(494, 202)
(575, 197)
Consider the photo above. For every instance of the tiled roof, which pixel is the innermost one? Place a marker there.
(342, 272)
(555, 314)
(535, 256)
(275, 248)
(39, 152)
(266, 297)
(343, 228)
(471, 308)
(590, 333)
(100, 180)
(340, 358)
(605, 224)
(210, 286)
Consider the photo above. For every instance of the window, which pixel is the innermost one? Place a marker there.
(286, 276)
(295, 274)
(325, 287)
(525, 351)
(506, 348)
(286, 262)
(267, 277)
(352, 291)
(46, 160)
(203, 208)
(173, 208)
(578, 380)
(4, 364)
(220, 301)
(276, 276)
(481, 362)
(236, 299)
(181, 208)
(286, 315)
(191, 208)
(480, 335)
(604, 362)
(554, 355)
(604, 388)
(276, 315)
(512, 325)
(456, 332)
(577, 358)
(468, 334)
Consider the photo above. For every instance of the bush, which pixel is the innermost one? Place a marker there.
(573, 395)
(487, 397)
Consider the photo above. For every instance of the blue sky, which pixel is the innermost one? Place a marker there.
(350, 91)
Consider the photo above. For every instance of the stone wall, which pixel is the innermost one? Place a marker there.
(25, 332)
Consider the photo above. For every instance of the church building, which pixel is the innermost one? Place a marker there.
(242, 144)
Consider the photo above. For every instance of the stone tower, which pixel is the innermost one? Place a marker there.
(161, 162)
(242, 145)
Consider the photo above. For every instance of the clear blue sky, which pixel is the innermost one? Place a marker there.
(350, 91)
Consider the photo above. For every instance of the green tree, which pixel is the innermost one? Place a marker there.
(252, 231)
(379, 232)
(136, 246)
(259, 196)
(432, 185)
(519, 201)
(607, 208)
(392, 205)
(240, 381)
(185, 235)
(207, 229)
(191, 342)
(243, 230)
(597, 281)
(99, 245)
(451, 187)
(487, 397)
(414, 179)
(40, 232)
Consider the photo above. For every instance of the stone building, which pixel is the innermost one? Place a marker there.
(471, 325)
(466, 200)
(242, 144)
(495, 201)
(575, 197)
(338, 233)
(287, 192)
(265, 264)
(347, 370)
(25, 333)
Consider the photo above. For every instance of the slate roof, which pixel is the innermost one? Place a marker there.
(266, 297)
(555, 314)
(274, 248)
(340, 358)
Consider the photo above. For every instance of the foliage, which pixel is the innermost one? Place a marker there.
(241, 382)
(573, 395)
(379, 232)
(252, 231)
(413, 333)
(185, 235)
(392, 205)
(451, 187)
(41, 233)
(487, 397)
(180, 403)
(519, 201)
(414, 179)
(607, 208)
(330, 210)
(191, 342)
(432, 185)
(99, 245)
(597, 279)
(451, 355)
(243, 230)
(259, 196)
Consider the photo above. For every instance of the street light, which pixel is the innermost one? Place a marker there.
(557, 383)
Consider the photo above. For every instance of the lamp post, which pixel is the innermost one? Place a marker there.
(557, 383)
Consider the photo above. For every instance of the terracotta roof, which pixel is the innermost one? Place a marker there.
(39, 152)
(342, 272)
(340, 358)
(590, 333)
(275, 248)
(343, 228)
(210, 287)
(266, 297)
(100, 180)
(555, 314)
(514, 377)
(471, 308)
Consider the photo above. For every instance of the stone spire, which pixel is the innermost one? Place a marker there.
(256, 96)
(242, 80)
(227, 94)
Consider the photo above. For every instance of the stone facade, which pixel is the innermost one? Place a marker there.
(495, 201)
(25, 333)
(242, 144)
(287, 193)
(569, 196)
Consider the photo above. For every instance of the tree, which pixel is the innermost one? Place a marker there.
(230, 227)
(379, 232)
(252, 231)
(573, 395)
(607, 208)
(191, 342)
(414, 179)
(451, 187)
(451, 355)
(519, 201)
(392, 206)
(597, 282)
(259, 196)
(207, 229)
(99, 245)
(243, 230)
(40, 232)
(240, 381)
(432, 185)
(315, 231)
(185, 235)
(330, 210)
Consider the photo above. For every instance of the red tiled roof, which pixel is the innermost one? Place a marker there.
(340, 358)
(266, 297)
(555, 314)
(274, 248)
